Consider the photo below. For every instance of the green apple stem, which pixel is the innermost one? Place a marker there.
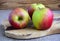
(41, 8)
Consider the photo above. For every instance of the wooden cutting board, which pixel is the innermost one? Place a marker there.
(29, 32)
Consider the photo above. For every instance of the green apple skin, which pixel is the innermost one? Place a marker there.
(42, 19)
(33, 7)
(19, 18)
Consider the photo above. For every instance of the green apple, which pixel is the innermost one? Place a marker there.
(42, 18)
(33, 7)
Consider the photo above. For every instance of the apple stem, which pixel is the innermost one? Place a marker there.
(20, 18)
(40, 8)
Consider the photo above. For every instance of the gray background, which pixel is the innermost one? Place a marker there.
(4, 15)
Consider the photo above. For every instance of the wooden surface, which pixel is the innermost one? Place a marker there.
(29, 32)
(11, 4)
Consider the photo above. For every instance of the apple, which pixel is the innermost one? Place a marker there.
(42, 18)
(33, 7)
(19, 18)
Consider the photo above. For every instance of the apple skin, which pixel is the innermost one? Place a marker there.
(42, 19)
(19, 18)
(33, 7)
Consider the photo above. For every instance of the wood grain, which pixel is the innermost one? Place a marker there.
(11, 4)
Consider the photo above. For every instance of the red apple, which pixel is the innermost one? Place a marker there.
(19, 18)
(33, 7)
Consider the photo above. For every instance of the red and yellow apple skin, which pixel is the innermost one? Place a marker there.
(30, 11)
(33, 7)
(19, 18)
(42, 19)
